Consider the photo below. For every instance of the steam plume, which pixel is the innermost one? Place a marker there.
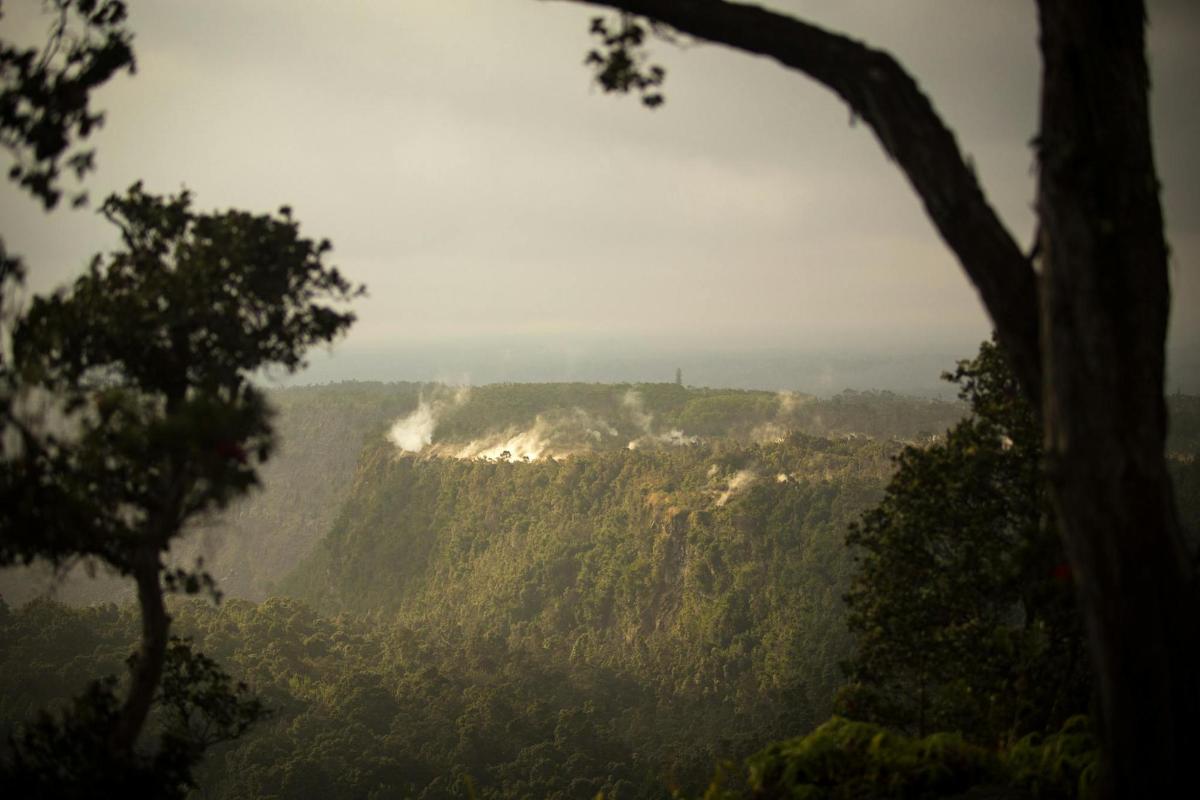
(414, 433)
(740, 480)
(643, 419)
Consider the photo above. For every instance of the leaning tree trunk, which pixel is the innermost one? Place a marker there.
(1086, 338)
(1104, 307)
(147, 666)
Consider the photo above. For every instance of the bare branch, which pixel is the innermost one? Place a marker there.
(881, 93)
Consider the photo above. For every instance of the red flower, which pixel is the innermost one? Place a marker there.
(1061, 571)
(230, 450)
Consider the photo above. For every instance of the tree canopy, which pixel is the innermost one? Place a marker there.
(962, 603)
(46, 92)
(128, 413)
(1082, 320)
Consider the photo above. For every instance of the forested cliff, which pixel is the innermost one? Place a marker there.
(323, 430)
(543, 591)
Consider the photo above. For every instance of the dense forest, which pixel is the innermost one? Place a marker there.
(605, 591)
(536, 591)
(323, 430)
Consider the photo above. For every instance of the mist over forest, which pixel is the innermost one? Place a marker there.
(550, 590)
(434, 400)
(327, 430)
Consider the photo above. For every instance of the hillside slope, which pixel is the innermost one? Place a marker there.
(323, 430)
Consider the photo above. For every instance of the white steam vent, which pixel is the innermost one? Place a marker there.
(740, 480)
(413, 433)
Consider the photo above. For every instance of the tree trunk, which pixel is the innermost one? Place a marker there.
(1105, 300)
(1088, 344)
(146, 669)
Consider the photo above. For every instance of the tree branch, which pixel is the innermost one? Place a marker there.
(886, 98)
(146, 668)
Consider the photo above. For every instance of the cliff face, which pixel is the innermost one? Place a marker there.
(711, 570)
(323, 431)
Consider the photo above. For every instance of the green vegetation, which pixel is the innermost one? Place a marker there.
(739, 414)
(618, 620)
(126, 412)
(843, 760)
(46, 92)
(322, 430)
(963, 604)
(662, 589)
(1082, 317)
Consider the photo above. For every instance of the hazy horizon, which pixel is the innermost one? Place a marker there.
(512, 222)
(916, 372)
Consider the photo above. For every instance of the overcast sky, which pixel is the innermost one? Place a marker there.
(466, 170)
